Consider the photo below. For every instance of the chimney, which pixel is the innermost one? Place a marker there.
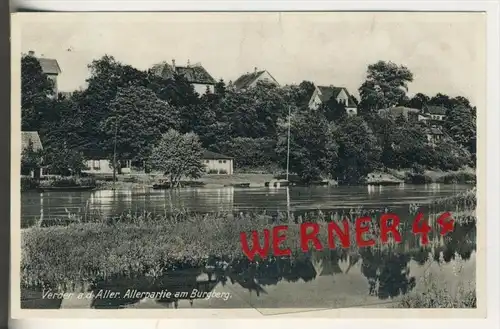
(255, 69)
(188, 63)
(173, 63)
(31, 53)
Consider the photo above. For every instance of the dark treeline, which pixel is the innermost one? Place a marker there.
(138, 107)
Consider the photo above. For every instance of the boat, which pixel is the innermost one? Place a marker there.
(66, 188)
(384, 183)
(161, 186)
(277, 183)
(238, 185)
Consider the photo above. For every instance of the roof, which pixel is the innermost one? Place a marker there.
(437, 110)
(28, 137)
(398, 111)
(327, 92)
(49, 66)
(193, 73)
(209, 155)
(248, 79)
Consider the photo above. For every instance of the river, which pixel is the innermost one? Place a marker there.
(50, 205)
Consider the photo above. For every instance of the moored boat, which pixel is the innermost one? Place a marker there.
(65, 188)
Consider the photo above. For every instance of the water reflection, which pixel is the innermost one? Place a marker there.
(110, 203)
(329, 278)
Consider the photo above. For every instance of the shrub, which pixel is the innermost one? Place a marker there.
(436, 293)
(69, 182)
(28, 183)
(223, 172)
(213, 171)
(418, 178)
(459, 177)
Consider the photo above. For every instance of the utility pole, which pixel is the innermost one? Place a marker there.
(114, 155)
(288, 145)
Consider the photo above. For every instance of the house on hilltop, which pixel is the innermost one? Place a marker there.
(249, 80)
(410, 114)
(195, 74)
(31, 139)
(216, 163)
(434, 114)
(322, 94)
(50, 67)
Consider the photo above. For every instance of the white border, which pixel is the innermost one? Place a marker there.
(492, 7)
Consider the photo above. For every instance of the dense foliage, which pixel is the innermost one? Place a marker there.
(130, 109)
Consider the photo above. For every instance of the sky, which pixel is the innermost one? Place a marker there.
(445, 51)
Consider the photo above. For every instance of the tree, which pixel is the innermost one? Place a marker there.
(386, 85)
(64, 160)
(31, 160)
(460, 125)
(178, 155)
(254, 112)
(358, 150)
(418, 101)
(137, 118)
(250, 152)
(312, 152)
(107, 77)
(35, 87)
(333, 110)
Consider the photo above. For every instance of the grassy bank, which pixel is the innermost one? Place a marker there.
(28, 183)
(436, 292)
(463, 176)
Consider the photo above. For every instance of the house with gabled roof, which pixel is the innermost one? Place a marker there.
(195, 74)
(216, 163)
(436, 114)
(434, 135)
(324, 93)
(50, 67)
(249, 80)
(410, 114)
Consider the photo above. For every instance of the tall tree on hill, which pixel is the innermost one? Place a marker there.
(35, 87)
(312, 152)
(418, 101)
(460, 125)
(333, 110)
(107, 76)
(358, 150)
(138, 119)
(386, 85)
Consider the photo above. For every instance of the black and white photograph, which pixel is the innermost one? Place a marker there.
(271, 161)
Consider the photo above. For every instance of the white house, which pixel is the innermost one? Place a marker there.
(195, 74)
(50, 67)
(103, 166)
(216, 163)
(435, 113)
(324, 93)
(249, 80)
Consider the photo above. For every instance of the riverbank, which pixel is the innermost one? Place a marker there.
(253, 180)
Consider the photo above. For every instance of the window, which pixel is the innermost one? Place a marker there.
(207, 161)
(220, 161)
(224, 161)
(97, 165)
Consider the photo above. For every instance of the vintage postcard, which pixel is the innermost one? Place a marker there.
(248, 164)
